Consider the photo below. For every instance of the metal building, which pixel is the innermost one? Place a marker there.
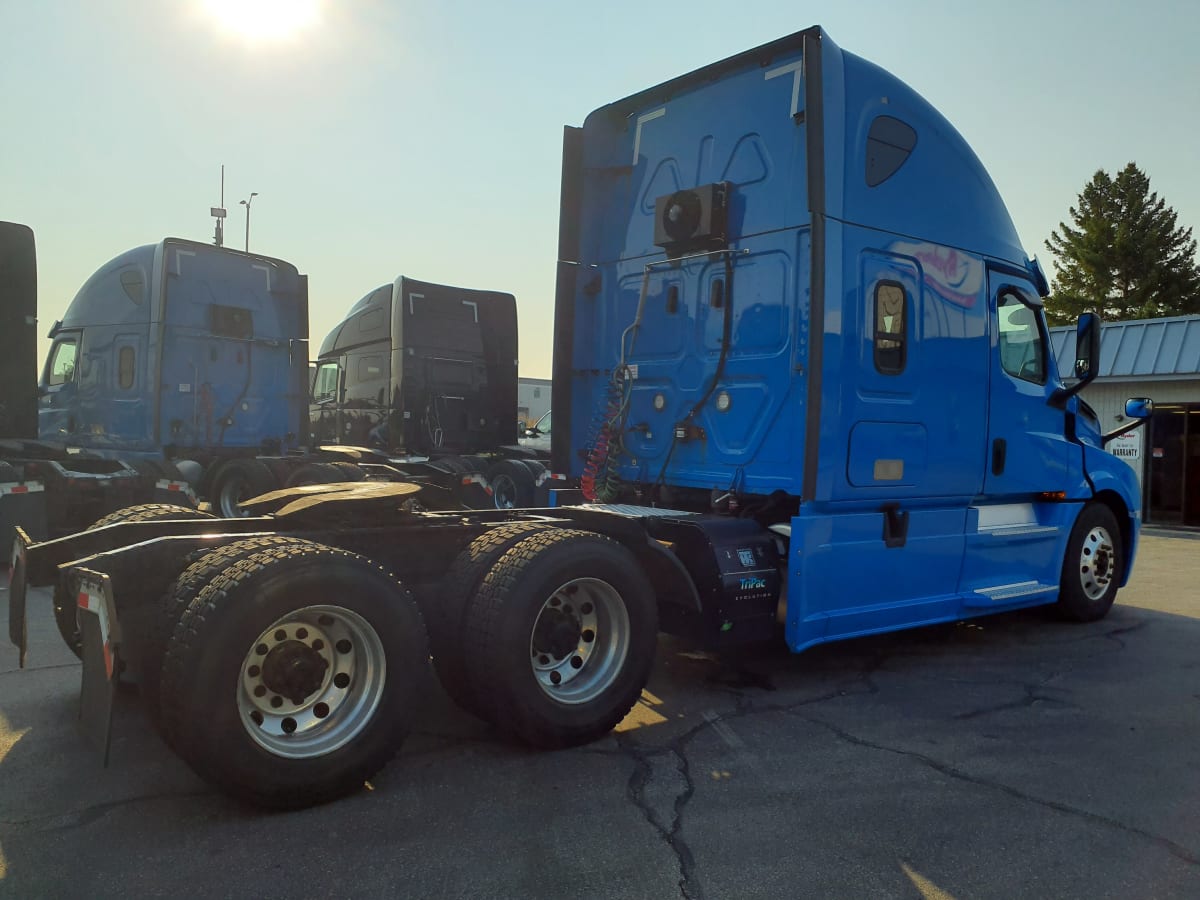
(1160, 359)
(533, 399)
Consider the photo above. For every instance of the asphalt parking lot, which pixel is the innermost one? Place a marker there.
(1012, 756)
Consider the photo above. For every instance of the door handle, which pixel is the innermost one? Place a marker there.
(999, 452)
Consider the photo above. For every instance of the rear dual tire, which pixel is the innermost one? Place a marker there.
(560, 638)
(293, 676)
(67, 590)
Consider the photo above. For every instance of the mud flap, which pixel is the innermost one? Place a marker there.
(18, 629)
(475, 492)
(101, 635)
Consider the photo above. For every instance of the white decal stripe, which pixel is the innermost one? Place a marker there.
(266, 270)
(179, 255)
(637, 133)
(798, 68)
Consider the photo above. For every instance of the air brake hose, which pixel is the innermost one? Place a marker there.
(599, 480)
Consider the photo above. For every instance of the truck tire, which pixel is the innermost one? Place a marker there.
(65, 595)
(150, 512)
(349, 471)
(315, 473)
(294, 675)
(535, 468)
(512, 484)
(560, 638)
(445, 605)
(1093, 565)
(238, 480)
(178, 597)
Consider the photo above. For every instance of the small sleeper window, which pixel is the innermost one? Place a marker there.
(891, 324)
(125, 359)
(889, 143)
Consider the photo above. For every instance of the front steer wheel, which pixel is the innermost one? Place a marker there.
(294, 675)
(560, 638)
(1093, 567)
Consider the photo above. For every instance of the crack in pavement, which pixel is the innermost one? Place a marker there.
(1115, 635)
(635, 790)
(70, 665)
(1177, 850)
(83, 817)
(1034, 694)
(643, 758)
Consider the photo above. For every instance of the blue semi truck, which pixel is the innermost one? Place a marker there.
(801, 372)
(48, 485)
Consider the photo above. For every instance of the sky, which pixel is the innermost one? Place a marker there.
(389, 137)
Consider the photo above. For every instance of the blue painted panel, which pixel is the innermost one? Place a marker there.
(756, 442)
(937, 403)
(739, 129)
(887, 454)
(941, 192)
(1009, 544)
(222, 388)
(845, 580)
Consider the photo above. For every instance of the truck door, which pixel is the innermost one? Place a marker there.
(1016, 529)
(1028, 451)
(325, 404)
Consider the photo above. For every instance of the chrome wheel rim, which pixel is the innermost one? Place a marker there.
(580, 640)
(1097, 563)
(311, 682)
(504, 492)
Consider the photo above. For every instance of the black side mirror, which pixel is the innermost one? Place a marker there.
(1087, 348)
(1087, 358)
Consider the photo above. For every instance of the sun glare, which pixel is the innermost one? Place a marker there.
(264, 20)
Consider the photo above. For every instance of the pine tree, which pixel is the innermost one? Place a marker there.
(1124, 257)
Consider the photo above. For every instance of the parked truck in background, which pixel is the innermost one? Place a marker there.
(47, 484)
(801, 370)
(427, 374)
(185, 355)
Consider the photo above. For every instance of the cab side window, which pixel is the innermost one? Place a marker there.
(325, 384)
(891, 325)
(61, 369)
(1022, 346)
(125, 368)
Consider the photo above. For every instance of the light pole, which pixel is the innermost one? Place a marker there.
(246, 203)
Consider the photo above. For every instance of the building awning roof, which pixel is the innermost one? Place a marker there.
(1164, 349)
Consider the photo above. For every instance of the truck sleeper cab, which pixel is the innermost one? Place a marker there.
(46, 484)
(801, 373)
(422, 374)
(793, 294)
